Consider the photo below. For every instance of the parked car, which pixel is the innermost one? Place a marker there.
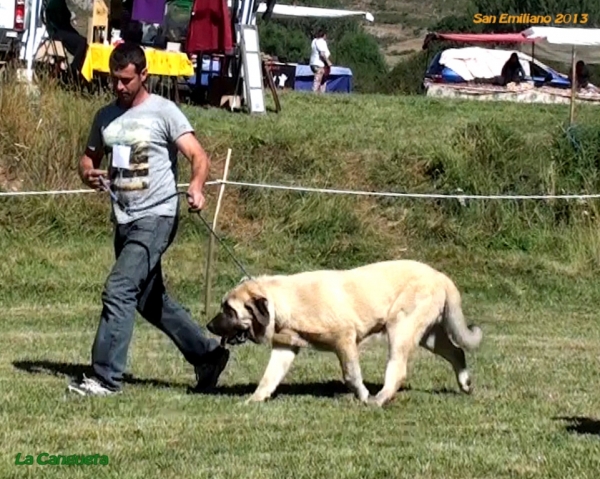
(12, 27)
(538, 72)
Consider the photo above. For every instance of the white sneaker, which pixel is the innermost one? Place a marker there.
(90, 387)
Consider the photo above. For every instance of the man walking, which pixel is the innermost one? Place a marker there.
(143, 132)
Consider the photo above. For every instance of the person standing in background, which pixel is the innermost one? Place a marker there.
(320, 61)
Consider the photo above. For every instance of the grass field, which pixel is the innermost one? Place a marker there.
(527, 270)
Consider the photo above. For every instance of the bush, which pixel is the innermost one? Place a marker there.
(361, 53)
(288, 45)
(407, 76)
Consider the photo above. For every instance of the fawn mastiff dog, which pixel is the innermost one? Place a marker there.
(408, 301)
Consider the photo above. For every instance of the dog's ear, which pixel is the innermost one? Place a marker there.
(260, 316)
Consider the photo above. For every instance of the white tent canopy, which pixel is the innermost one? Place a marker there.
(293, 11)
(565, 36)
(580, 41)
(557, 43)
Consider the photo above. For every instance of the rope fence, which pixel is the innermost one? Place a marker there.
(71, 192)
(333, 191)
(410, 195)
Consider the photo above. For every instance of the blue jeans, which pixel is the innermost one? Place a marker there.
(135, 283)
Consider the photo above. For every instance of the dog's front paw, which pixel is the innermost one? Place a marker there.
(255, 399)
(379, 401)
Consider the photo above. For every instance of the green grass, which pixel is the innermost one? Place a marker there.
(527, 270)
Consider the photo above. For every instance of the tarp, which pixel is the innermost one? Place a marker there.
(296, 11)
(565, 36)
(477, 62)
(339, 81)
(562, 53)
(484, 37)
(477, 38)
(553, 43)
(291, 11)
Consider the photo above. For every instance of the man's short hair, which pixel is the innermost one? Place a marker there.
(320, 33)
(127, 53)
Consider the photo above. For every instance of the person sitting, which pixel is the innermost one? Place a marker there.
(582, 75)
(58, 25)
(512, 71)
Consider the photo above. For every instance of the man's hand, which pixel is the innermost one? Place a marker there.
(91, 177)
(89, 172)
(195, 197)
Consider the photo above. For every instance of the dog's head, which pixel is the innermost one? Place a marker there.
(244, 315)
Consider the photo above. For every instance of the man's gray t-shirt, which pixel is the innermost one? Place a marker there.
(140, 142)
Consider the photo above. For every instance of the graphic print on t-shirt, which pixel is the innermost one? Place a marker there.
(129, 139)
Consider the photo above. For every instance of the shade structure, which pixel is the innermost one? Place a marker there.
(584, 41)
(296, 11)
(579, 37)
(477, 38)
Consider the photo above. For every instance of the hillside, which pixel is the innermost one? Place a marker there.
(400, 25)
(435, 147)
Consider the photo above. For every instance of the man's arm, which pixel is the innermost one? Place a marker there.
(191, 148)
(181, 132)
(89, 163)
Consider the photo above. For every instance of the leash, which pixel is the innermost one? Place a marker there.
(239, 265)
(128, 211)
(126, 208)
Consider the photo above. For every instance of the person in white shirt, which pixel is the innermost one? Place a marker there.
(320, 62)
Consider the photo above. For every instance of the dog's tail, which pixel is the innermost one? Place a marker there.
(467, 337)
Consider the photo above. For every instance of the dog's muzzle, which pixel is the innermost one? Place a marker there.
(223, 326)
(239, 337)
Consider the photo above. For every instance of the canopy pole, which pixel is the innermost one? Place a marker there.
(31, 38)
(573, 86)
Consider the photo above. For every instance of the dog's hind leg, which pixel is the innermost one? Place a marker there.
(400, 348)
(404, 334)
(437, 341)
(279, 364)
(347, 353)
